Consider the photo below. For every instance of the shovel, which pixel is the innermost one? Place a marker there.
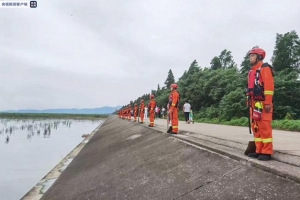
(251, 148)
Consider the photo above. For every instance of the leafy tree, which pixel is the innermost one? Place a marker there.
(286, 54)
(218, 91)
(170, 79)
(193, 68)
(215, 63)
(226, 59)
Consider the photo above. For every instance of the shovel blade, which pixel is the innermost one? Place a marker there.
(251, 148)
(170, 129)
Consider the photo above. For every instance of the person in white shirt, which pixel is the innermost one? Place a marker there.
(186, 110)
(156, 112)
(163, 112)
(146, 112)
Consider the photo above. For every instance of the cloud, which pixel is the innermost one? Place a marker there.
(67, 54)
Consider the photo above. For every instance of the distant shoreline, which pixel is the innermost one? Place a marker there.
(52, 116)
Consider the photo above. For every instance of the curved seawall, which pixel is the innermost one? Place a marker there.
(126, 160)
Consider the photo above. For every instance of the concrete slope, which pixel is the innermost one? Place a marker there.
(125, 160)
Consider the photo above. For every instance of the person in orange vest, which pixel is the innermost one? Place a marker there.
(135, 112)
(126, 113)
(142, 111)
(173, 106)
(123, 113)
(151, 108)
(260, 97)
(129, 112)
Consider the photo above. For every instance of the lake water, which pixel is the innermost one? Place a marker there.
(26, 156)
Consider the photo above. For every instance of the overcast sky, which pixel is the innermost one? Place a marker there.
(85, 54)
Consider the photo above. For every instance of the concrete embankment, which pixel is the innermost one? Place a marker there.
(126, 160)
(39, 189)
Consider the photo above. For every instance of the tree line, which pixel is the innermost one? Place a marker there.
(218, 91)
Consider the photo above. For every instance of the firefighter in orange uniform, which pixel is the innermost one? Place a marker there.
(135, 111)
(260, 96)
(126, 113)
(151, 108)
(173, 106)
(129, 112)
(142, 111)
(122, 113)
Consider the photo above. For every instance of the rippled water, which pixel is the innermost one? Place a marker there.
(26, 156)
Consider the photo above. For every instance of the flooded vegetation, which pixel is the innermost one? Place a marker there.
(31, 146)
(31, 128)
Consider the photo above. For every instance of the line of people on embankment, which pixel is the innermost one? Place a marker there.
(259, 94)
(139, 110)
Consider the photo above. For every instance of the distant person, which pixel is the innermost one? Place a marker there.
(151, 108)
(186, 110)
(158, 112)
(142, 111)
(135, 111)
(163, 110)
(146, 112)
(129, 112)
(173, 106)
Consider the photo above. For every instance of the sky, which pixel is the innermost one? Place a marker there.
(88, 54)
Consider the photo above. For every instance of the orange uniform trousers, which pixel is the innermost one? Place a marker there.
(134, 116)
(174, 119)
(129, 115)
(142, 116)
(263, 136)
(151, 117)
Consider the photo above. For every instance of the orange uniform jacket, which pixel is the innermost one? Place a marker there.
(142, 108)
(174, 100)
(152, 105)
(268, 81)
(135, 109)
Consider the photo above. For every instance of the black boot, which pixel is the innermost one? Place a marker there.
(264, 157)
(170, 129)
(253, 155)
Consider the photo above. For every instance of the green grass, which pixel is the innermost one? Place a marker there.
(51, 116)
(287, 125)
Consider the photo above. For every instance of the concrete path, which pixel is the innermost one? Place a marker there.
(233, 140)
(126, 160)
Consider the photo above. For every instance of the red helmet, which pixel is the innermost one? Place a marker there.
(174, 85)
(261, 54)
(151, 96)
